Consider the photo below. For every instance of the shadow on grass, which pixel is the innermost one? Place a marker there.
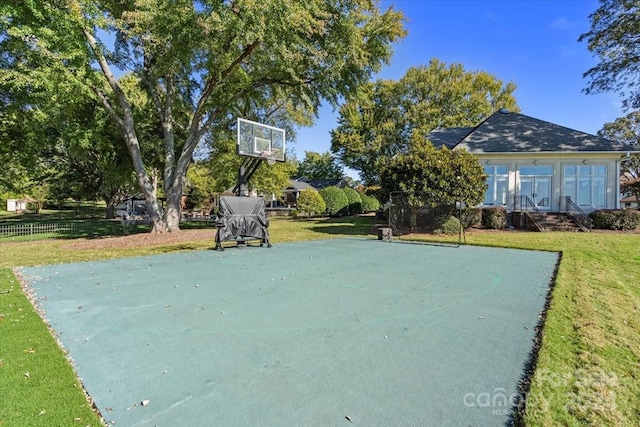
(352, 226)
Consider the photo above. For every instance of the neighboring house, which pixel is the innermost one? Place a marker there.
(545, 162)
(319, 184)
(132, 207)
(292, 192)
(629, 201)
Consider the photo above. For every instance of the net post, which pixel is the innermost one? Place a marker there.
(461, 206)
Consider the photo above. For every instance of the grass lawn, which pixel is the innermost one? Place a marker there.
(588, 366)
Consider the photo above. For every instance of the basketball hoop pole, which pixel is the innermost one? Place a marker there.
(248, 167)
(242, 188)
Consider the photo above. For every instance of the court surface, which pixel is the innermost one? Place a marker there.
(334, 332)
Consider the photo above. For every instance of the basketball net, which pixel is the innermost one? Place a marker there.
(267, 156)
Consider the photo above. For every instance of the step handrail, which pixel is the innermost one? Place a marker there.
(579, 216)
(524, 203)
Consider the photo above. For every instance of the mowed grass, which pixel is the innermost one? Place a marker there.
(588, 367)
(37, 384)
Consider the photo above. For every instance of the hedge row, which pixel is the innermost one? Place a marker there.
(347, 201)
(616, 219)
(607, 219)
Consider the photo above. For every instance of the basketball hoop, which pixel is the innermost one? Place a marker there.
(267, 155)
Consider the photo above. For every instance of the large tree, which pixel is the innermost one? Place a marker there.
(208, 55)
(627, 130)
(614, 38)
(317, 166)
(380, 122)
(70, 149)
(19, 132)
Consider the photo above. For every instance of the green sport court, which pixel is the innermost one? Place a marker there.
(334, 332)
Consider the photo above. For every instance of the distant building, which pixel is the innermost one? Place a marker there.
(292, 192)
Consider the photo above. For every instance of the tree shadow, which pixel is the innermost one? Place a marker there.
(350, 226)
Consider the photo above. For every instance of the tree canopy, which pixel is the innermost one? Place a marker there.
(614, 38)
(311, 201)
(380, 122)
(627, 130)
(198, 62)
(316, 166)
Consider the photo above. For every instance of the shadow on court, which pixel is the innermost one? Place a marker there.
(321, 333)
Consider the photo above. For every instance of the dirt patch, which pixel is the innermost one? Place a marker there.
(145, 239)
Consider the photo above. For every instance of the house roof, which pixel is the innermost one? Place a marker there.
(448, 137)
(507, 132)
(628, 179)
(319, 184)
(298, 185)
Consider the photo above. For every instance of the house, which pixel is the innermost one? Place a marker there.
(535, 163)
(292, 192)
(630, 201)
(132, 207)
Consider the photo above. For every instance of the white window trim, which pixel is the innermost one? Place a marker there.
(592, 192)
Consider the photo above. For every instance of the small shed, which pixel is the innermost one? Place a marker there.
(14, 205)
(20, 205)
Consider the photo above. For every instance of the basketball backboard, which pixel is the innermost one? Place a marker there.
(260, 140)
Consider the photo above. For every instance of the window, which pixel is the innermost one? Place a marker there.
(497, 186)
(586, 185)
(536, 170)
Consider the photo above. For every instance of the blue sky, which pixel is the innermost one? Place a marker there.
(531, 43)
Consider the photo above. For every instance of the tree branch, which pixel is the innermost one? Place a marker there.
(213, 82)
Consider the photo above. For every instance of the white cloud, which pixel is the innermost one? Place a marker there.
(562, 23)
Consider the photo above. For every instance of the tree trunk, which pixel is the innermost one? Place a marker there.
(172, 214)
(413, 217)
(111, 210)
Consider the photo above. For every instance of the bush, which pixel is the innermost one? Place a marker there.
(335, 200)
(494, 218)
(616, 219)
(433, 217)
(354, 199)
(369, 203)
(311, 202)
(450, 226)
(471, 217)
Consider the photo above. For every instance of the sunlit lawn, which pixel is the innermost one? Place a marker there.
(588, 368)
